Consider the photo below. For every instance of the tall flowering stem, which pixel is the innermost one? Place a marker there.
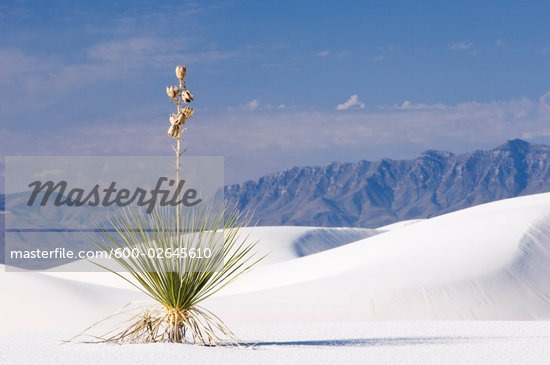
(181, 97)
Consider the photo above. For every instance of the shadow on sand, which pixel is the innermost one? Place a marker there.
(361, 342)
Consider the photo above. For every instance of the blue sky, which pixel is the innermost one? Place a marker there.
(277, 84)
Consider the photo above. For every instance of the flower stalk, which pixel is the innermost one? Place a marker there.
(181, 97)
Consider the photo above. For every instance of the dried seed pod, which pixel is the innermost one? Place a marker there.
(181, 71)
(187, 96)
(188, 112)
(174, 131)
(180, 118)
(172, 91)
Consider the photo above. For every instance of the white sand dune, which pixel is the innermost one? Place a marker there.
(287, 243)
(277, 244)
(487, 262)
(37, 302)
(73, 300)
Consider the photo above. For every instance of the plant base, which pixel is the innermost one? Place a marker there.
(154, 323)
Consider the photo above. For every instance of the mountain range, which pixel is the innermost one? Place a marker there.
(375, 193)
(372, 194)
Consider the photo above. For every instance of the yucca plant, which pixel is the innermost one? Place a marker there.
(178, 260)
(178, 271)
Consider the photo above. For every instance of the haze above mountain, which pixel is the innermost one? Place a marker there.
(372, 194)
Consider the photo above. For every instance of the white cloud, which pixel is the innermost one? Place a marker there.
(103, 62)
(461, 46)
(149, 51)
(407, 105)
(500, 43)
(126, 49)
(258, 143)
(323, 53)
(545, 100)
(351, 102)
(281, 106)
(252, 105)
(343, 54)
(383, 53)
